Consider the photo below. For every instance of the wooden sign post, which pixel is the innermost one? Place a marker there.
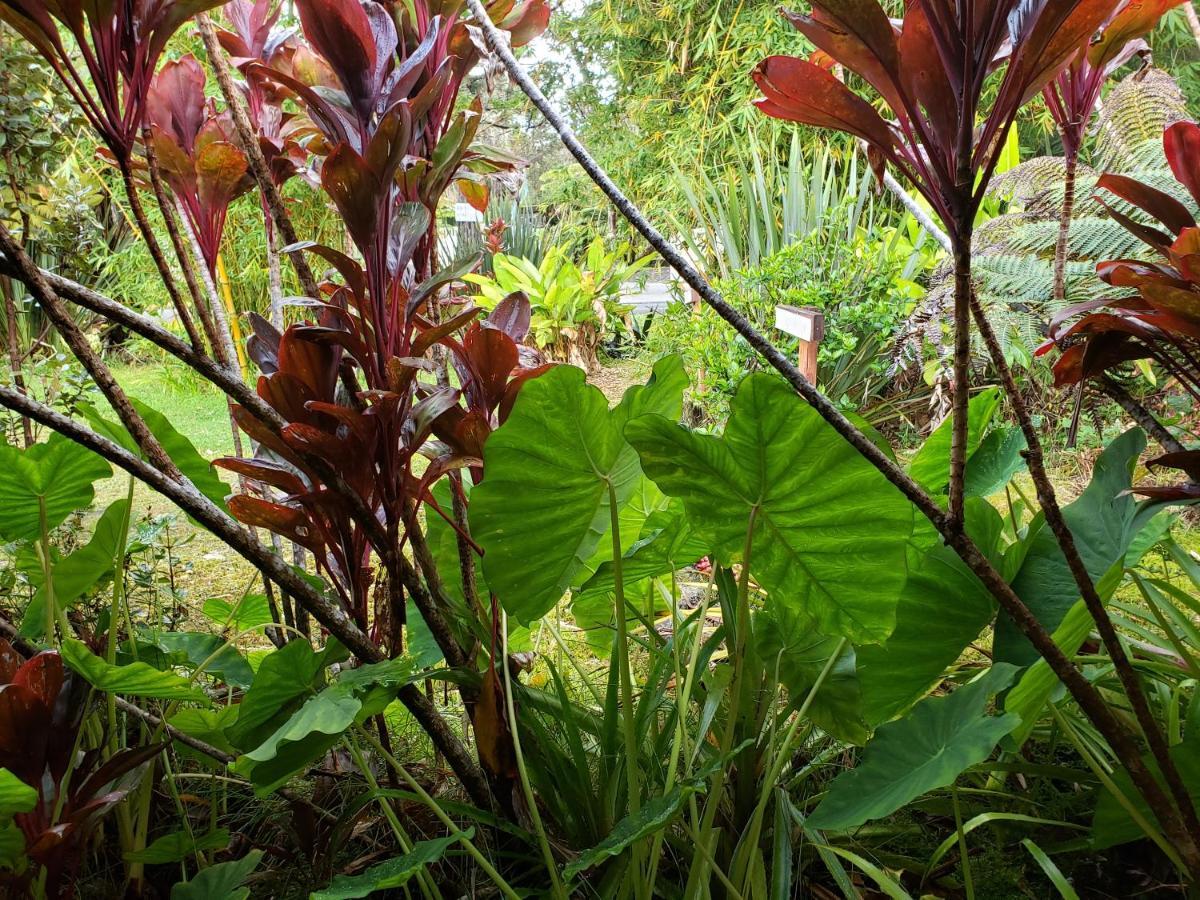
(808, 324)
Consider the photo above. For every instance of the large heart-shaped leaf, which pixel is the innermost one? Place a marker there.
(1104, 521)
(318, 725)
(392, 873)
(550, 470)
(942, 608)
(828, 532)
(136, 679)
(82, 570)
(926, 750)
(787, 643)
(285, 677)
(222, 881)
(50, 480)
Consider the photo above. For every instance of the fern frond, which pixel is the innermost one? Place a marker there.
(1134, 114)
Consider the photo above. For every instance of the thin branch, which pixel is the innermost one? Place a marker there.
(1084, 692)
(75, 339)
(335, 620)
(1087, 588)
(248, 144)
(1140, 415)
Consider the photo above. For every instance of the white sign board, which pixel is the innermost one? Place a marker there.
(804, 322)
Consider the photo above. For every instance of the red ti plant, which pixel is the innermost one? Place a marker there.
(1159, 319)
(348, 384)
(41, 711)
(931, 70)
(196, 151)
(1073, 94)
(120, 45)
(256, 38)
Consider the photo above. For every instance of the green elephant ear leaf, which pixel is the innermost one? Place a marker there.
(392, 873)
(1104, 521)
(930, 467)
(137, 679)
(50, 480)
(829, 534)
(320, 722)
(942, 608)
(15, 795)
(552, 469)
(787, 642)
(927, 749)
(82, 570)
(222, 881)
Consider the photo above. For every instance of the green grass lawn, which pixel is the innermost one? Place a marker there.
(193, 406)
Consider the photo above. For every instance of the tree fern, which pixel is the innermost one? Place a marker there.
(1013, 252)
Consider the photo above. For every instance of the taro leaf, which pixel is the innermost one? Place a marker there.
(1039, 683)
(250, 611)
(284, 677)
(181, 450)
(927, 749)
(56, 476)
(207, 725)
(829, 533)
(194, 649)
(1112, 825)
(222, 881)
(543, 505)
(1104, 521)
(82, 570)
(931, 466)
(15, 795)
(12, 847)
(356, 694)
(653, 816)
(786, 638)
(942, 608)
(994, 463)
(136, 679)
(392, 873)
(178, 846)
(667, 543)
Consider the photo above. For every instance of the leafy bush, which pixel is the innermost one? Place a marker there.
(860, 286)
(574, 305)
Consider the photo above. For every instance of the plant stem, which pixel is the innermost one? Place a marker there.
(963, 854)
(1177, 812)
(557, 889)
(156, 253)
(632, 773)
(248, 144)
(962, 375)
(437, 810)
(1064, 227)
(784, 751)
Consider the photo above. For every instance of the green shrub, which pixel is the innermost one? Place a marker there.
(862, 288)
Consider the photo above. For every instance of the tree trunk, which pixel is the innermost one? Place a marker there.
(962, 375)
(15, 357)
(1064, 228)
(274, 274)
